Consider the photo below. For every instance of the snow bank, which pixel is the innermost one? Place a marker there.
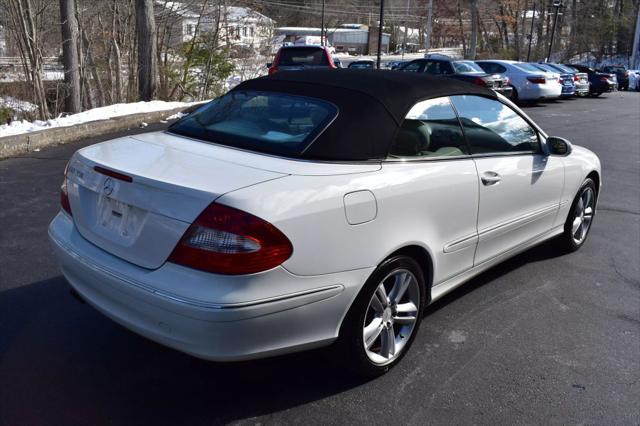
(17, 104)
(117, 110)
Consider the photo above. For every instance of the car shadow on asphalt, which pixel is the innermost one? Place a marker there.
(61, 362)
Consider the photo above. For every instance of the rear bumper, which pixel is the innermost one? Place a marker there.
(529, 91)
(505, 91)
(200, 313)
(582, 89)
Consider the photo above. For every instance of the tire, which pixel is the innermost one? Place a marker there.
(514, 96)
(580, 218)
(596, 94)
(379, 323)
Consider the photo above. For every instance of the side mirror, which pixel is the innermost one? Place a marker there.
(269, 64)
(559, 146)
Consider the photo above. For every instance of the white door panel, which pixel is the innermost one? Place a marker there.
(519, 199)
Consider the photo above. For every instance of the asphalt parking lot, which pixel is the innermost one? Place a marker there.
(542, 339)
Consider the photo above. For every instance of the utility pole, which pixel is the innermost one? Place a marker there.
(380, 25)
(406, 30)
(533, 19)
(635, 54)
(557, 5)
(322, 26)
(428, 26)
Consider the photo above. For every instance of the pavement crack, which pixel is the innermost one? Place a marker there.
(616, 210)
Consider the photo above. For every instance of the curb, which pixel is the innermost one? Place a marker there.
(20, 144)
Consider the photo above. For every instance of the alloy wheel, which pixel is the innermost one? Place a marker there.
(583, 216)
(391, 316)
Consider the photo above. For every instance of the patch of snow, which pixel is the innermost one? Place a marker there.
(17, 104)
(117, 110)
(176, 116)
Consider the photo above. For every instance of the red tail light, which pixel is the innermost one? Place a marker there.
(332, 64)
(480, 81)
(576, 78)
(604, 78)
(64, 194)
(274, 66)
(225, 240)
(537, 80)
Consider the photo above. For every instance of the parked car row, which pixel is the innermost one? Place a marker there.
(526, 81)
(519, 81)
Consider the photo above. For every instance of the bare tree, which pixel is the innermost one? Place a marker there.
(147, 57)
(473, 7)
(69, 25)
(23, 19)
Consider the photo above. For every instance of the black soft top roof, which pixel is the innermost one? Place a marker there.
(372, 105)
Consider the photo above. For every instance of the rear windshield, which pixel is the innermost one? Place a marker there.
(545, 67)
(563, 68)
(616, 69)
(361, 65)
(526, 67)
(269, 122)
(301, 56)
(467, 67)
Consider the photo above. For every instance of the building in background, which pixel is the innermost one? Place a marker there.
(239, 26)
(355, 39)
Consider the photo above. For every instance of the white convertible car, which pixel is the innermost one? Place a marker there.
(310, 208)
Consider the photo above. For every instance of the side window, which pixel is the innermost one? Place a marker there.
(433, 68)
(492, 127)
(500, 69)
(413, 66)
(446, 68)
(430, 130)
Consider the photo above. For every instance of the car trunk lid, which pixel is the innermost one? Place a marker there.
(135, 198)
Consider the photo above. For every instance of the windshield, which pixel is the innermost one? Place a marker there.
(269, 122)
(300, 56)
(467, 67)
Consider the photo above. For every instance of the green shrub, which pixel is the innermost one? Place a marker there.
(6, 114)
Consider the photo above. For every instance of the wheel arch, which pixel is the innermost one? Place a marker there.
(595, 176)
(418, 253)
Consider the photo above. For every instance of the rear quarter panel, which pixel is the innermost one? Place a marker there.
(428, 204)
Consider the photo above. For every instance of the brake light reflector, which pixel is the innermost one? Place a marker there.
(64, 194)
(480, 81)
(228, 241)
(113, 174)
(274, 66)
(537, 80)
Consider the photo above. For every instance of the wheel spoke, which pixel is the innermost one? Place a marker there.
(381, 292)
(579, 207)
(404, 320)
(388, 343)
(406, 308)
(587, 198)
(376, 304)
(575, 226)
(588, 211)
(372, 331)
(400, 285)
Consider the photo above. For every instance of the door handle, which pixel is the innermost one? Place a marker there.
(490, 178)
